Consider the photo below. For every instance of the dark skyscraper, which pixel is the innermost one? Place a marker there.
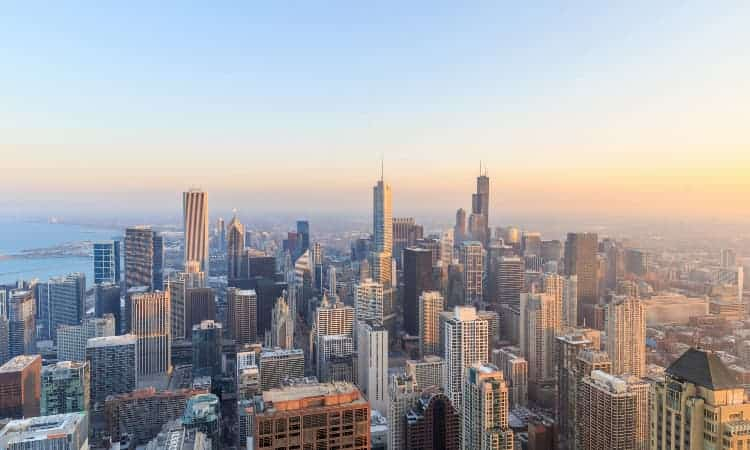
(417, 279)
(480, 207)
(459, 230)
(66, 301)
(235, 249)
(206, 342)
(433, 423)
(139, 257)
(303, 236)
(580, 260)
(107, 301)
(158, 274)
(21, 323)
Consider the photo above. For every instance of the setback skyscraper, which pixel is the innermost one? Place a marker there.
(195, 221)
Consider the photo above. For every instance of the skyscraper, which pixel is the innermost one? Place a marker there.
(113, 365)
(372, 365)
(580, 260)
(206, 341)
(368, 301)
(427, 372)
(65, 388)
(278, 365)
(382, 218)
(405, 235)
(242, 310)
(515, 370)
(71, 339)
(403, 393)
(67, 296)
(485, 410)
(699, 404)
(465, 338)
(195, 221)
(235, 249)
(480, 210)
(303, 236)
(509, 279)
(139, 257)
(626, 336)
(447, 239)
(107, 301)
(431, 304)
(301, 406)
(417, 279)
(282, 325)
(728, 259)
(612, 412)
(471, 259)
(20, 387)
(107, 262)
(332, 347)
(459, 229)
(538, 326)
(157, 277)
(21, 323)
(150, 320)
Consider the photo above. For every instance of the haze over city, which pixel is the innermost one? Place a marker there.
(635, 110)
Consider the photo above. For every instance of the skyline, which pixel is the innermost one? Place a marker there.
(591, 110)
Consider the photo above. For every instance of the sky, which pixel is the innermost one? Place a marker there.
(617, 109)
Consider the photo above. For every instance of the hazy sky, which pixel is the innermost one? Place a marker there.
(612, 108)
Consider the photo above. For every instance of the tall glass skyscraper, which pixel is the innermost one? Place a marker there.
(195, 216)
(107, 262)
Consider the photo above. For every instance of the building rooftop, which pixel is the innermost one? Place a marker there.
(63, 366)
(281, 352)
(301, 395)
(19, 363)
(703, 368)
(111, 341)
(39, 428)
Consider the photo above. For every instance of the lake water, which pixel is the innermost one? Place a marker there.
(16, 236)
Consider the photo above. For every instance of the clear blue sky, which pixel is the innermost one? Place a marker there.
(240, 97)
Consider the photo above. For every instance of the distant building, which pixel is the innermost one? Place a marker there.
(242, 315)
(626, 336)
(368, 301)
(539, 324)
(306, 402)
(20, 387)
(66, 388)
(195, 221)
(107, 262)
(459, 229)
(139, 258)
(21, 323)
(282, 325)
(417, 279)
(581, 260)
(235, 249)
(431, 304)
(107, 301)
(471, 257)
(61, 302)
(57, 432)
(405, 235)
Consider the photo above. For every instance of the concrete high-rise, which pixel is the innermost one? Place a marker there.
(447, 239)
(20, 387)
(278, 365)
(72, 339)
(515, 370)
(299, 408)
(485, 410)
(471, 257)
(206, 341)
(65, 388)
(368, 301)
(144, 257)
(431, 304)
(113, 365)
(150, 323)
(195, 224)
(403, 393)
(581, 260)
(509, 279)
(372, 365)
(242, 310)
(465, 339)
(427, 372)
(21, 323)
(417, 279)
(107, 262)
(626, 336)
(699, 404)
(57, 432)
(235, 249)
(612, 412)
(538, 326)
